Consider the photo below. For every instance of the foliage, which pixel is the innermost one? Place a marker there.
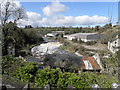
(32, 37)
(108, 37)
(19, 37)
(12, 34)
(62, 80)
(26, 72)
(71, 30)
(47, 76)
(97, 28)
(9, 64)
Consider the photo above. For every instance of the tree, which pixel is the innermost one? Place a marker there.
(108, 26)
(118, 58)
(11, 10)
(97, 28)
(12, 34)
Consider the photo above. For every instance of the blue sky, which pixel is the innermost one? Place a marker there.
(75, 9)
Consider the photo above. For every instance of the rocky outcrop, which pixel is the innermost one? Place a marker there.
(64, 60)
(46, 48)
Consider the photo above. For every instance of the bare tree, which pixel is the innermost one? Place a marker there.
(19, 14)
(11, 11)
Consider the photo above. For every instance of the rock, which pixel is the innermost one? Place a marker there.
(26, 87)
(47, 87)
(63, 59)
(95, 86)
(46, 48)
(4, 87)
(115, 85)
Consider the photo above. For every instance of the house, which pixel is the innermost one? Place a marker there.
(53, 34)
(90, 64)
(114, 44)
(86, 37)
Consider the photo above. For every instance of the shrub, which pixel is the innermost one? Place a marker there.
(26, 72)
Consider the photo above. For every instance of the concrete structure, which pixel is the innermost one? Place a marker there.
(114, 44)
(86, 37)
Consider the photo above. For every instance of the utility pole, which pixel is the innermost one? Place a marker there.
(119, 38)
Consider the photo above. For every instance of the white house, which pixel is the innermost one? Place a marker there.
(86, 37)
(52, 34)
(114, 45)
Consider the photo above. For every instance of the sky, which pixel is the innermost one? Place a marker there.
(69, 13)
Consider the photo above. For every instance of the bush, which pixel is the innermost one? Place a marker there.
(32, 37)
(47, 76)
(26, 72)
(56, 78)
(9, 64)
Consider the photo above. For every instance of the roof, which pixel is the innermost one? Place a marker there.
(82, 34)
(89, 63)
(52, 34)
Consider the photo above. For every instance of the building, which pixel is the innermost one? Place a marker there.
(54, 35)
(86, 37)
(90, 64)
(114, 44)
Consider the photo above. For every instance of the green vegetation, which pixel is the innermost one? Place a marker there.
(110, 65)
(26, 72)
(72, 46)
(18, 37)
(29, 73)
(10, 63)
(56, 78)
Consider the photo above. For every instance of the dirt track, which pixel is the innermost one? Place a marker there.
(101, 47)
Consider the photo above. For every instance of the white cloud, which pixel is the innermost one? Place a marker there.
(78, 20)
(91, 20)
(54, 8)
(33, 19)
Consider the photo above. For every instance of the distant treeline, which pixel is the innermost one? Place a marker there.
(71, 30)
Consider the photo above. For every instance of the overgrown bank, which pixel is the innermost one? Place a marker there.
(30, 73)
